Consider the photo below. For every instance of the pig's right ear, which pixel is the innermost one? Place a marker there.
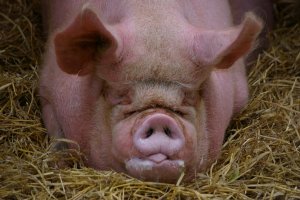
(222, 48)
(83, 43)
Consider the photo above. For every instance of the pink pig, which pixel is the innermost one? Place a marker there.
(144, 87)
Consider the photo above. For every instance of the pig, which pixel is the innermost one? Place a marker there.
(145, 88)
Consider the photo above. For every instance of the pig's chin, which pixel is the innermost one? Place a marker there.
(155, 168)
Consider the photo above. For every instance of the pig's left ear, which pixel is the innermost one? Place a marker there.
(222, 48)
(83, 43)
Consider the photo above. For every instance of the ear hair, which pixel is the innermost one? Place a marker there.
(222, 48)
(77, 47)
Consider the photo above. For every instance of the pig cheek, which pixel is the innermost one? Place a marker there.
(203, 140)
(122, 144)
(100, 139)
(197, 138)
(195, 148)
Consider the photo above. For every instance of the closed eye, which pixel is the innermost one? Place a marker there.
(176, 111)
(180, 113)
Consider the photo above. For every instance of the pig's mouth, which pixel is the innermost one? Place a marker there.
(156, 167)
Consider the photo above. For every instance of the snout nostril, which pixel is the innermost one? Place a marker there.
(167, 131)
(158, 134)
(149, 132)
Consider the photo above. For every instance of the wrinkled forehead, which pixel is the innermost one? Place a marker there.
(163, 63)
(155, 68)
(160, 49)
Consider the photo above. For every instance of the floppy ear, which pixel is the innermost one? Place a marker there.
(222, 48)
(83, 43)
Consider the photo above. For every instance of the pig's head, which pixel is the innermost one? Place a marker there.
(154, 116)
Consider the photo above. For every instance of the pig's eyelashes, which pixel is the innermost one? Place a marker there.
(121, 101)
(128, 114)
(180, 113)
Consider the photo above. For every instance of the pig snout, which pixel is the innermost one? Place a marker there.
(158, 137)
(159, 140)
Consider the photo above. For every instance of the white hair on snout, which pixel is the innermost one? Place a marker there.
(143, 165)
(139, 164)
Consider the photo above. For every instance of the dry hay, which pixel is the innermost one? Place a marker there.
(260, 158)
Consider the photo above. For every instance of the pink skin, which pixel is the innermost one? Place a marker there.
(142, 95)
(263, 9)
